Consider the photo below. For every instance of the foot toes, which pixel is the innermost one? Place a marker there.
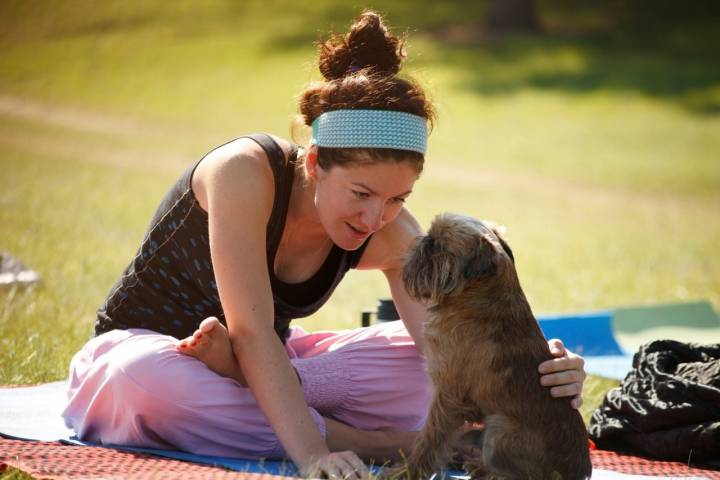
(207, 325)
(188, 344)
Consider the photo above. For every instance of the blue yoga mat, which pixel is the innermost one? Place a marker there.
(33, 413)
(590, 335)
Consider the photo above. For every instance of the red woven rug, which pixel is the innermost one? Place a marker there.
(617, 462)
(52, 460)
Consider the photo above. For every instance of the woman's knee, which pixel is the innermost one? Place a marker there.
(158, 366)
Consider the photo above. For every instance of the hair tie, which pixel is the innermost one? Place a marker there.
(353, 68)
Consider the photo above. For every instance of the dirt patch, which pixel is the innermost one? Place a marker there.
(151, 145)
(436, 173)
(70, 117)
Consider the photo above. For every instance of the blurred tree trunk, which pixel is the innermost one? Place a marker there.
(512, 15)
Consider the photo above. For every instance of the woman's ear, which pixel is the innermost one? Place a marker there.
(311, 161)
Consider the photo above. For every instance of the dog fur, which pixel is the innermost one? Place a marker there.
(482, 347)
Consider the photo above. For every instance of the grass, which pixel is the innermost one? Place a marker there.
(15, 474)
(597, 150)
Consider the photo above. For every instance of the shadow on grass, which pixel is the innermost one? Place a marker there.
(678, 67)
(673, 63)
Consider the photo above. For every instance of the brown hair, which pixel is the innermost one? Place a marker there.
(360, 71)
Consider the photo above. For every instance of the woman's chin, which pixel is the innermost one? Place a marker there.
(350, 244)
(349, 238)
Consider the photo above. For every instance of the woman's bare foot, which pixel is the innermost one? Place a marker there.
(211, 345)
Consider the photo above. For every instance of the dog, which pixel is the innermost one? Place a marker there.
(482, 348)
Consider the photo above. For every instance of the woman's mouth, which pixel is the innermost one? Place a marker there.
(356, 232)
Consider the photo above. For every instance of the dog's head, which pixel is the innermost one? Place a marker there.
(457, 249)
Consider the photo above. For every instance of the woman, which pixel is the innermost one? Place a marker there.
(257, 233)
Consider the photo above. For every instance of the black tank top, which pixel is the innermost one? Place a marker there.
(169, 286)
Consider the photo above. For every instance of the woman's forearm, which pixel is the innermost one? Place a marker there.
(377, 446)
(272, 379)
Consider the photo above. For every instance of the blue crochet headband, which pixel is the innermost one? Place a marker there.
(370, 129)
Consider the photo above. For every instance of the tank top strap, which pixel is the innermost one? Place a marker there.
(283, 173)
(355, 256)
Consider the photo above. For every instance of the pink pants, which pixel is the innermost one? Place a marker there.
(131, 387)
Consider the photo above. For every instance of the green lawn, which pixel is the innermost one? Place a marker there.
(599, 151)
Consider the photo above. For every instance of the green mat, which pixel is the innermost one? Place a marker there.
(686, 322)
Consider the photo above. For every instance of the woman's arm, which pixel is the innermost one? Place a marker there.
(375, 446)
(386, 252)
(238, 188)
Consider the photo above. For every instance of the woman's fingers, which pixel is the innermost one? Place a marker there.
(565, 373)
(342, 466)
(570, 390)
(570, 361)
(356, 466)
(556, 347)
(333, 472)
(562, 378)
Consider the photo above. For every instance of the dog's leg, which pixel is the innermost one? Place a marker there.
(475, 466)
(468, 453)
(434, 442)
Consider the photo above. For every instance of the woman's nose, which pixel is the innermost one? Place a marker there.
(373, 217)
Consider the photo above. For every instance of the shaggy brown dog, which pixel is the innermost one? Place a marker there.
(483, 347)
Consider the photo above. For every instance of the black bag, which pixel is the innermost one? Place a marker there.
(667, 407)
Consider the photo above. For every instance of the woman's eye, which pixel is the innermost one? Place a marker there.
(361, 195)
(398, 200)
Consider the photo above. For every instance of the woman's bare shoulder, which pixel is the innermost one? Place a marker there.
(243, 163)
(389, 245)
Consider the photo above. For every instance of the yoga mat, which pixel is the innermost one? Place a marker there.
(691, 322)
(590, 335)
(33, 413)
(54, 460)
(608, 339)
(57, 461)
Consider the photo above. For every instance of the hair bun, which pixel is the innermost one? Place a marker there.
(368, 45)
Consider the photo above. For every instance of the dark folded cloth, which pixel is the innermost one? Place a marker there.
(667, 407)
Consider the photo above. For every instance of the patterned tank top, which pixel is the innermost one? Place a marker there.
(169, 287)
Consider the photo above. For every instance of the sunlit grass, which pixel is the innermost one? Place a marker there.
(15, 474)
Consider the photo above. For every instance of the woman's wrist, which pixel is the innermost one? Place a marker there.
(375, 446)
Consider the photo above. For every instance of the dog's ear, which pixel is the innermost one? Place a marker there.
(484, 261)
(499, 231)
(418, 269)
(505, 247)
(431, 272)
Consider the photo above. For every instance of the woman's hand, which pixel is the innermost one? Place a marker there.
(564, 374)
(373, 446)
(336, 465)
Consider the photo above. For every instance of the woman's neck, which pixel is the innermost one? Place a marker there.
(302, 221)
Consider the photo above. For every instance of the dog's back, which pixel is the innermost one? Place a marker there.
(483, 348)
(540, 436)
(528, 433)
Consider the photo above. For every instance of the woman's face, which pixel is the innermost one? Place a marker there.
(356, 201)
